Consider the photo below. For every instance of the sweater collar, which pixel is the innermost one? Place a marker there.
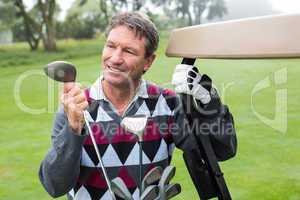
(96, 90)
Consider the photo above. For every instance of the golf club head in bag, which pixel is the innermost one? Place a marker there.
(150, 193)
(167, 175)
(120, 189)
(151, 177)
(172, 190)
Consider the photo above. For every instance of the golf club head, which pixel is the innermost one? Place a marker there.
(135, 124)
(172, 190)
(166, 176)
(150, 193)
(61, 71)
(152, 176)
(119, 188)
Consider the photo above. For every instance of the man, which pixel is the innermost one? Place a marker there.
(71, 165)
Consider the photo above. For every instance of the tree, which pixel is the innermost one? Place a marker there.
(238, 9)
(137, 5)
(80, 26)
(109, 7)
(192, 11)
(217, 8)
(7, 15)
(183, 7)
(32, 29)
(39, 23)
(103, 7)
(84, 13)
(47, 9)
(84, 20)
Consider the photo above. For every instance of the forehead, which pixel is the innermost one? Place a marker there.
(126, 36)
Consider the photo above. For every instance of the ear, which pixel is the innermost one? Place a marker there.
(148, 62)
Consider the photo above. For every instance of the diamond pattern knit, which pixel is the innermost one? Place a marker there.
(119, 149)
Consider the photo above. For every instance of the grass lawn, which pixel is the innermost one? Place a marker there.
(267, 165)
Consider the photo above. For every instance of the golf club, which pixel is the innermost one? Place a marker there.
(62, 71)
(150, 193)
(172, 190)
(136, 125)
(119, 188)
(166, 176)
(151, 177)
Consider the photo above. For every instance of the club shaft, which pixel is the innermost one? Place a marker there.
(98, 155)
(141, 167)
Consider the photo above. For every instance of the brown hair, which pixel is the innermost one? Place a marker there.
(141, 24)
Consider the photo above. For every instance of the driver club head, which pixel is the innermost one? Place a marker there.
(61, 71)
(172, 190)
(119, 188)
(135, 124)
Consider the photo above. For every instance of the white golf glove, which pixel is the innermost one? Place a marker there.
(187, 79)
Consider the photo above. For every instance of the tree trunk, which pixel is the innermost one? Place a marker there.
(47, 10)
(198, 16)
(190, 19)
(49, 39)
(31, 38)
(32, 29)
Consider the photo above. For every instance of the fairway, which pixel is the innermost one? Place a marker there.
(267, 165)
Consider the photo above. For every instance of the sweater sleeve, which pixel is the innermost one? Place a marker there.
(60, 167)
(213, 119)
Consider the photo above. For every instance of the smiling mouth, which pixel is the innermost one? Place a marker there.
(113, 69)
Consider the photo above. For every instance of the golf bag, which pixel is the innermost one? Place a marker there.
(202, 156)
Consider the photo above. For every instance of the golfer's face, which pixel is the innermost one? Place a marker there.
(123, 57)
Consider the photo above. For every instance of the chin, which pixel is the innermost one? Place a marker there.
(115, 81)
(120, 80)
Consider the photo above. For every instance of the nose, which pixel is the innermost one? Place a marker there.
(116, 56)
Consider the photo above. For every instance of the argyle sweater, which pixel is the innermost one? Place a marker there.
(119, 149)
(71, 166)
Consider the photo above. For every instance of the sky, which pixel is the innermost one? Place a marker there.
(289, 6)
(64, 5)
(285, 6)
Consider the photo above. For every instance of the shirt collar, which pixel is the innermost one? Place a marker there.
(96, 90)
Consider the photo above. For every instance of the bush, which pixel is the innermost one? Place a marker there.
(79, 27)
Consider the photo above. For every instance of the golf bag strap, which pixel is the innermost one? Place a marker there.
(206, 161)
(199, 173)
(202, 164)
(213, 167)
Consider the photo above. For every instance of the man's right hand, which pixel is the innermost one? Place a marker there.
(74, 102)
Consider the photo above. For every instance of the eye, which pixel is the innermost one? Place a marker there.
(130, 51)
(109, 45)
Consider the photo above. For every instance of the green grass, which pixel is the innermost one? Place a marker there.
(267, 165)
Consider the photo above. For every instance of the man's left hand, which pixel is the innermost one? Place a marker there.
(187, 79)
